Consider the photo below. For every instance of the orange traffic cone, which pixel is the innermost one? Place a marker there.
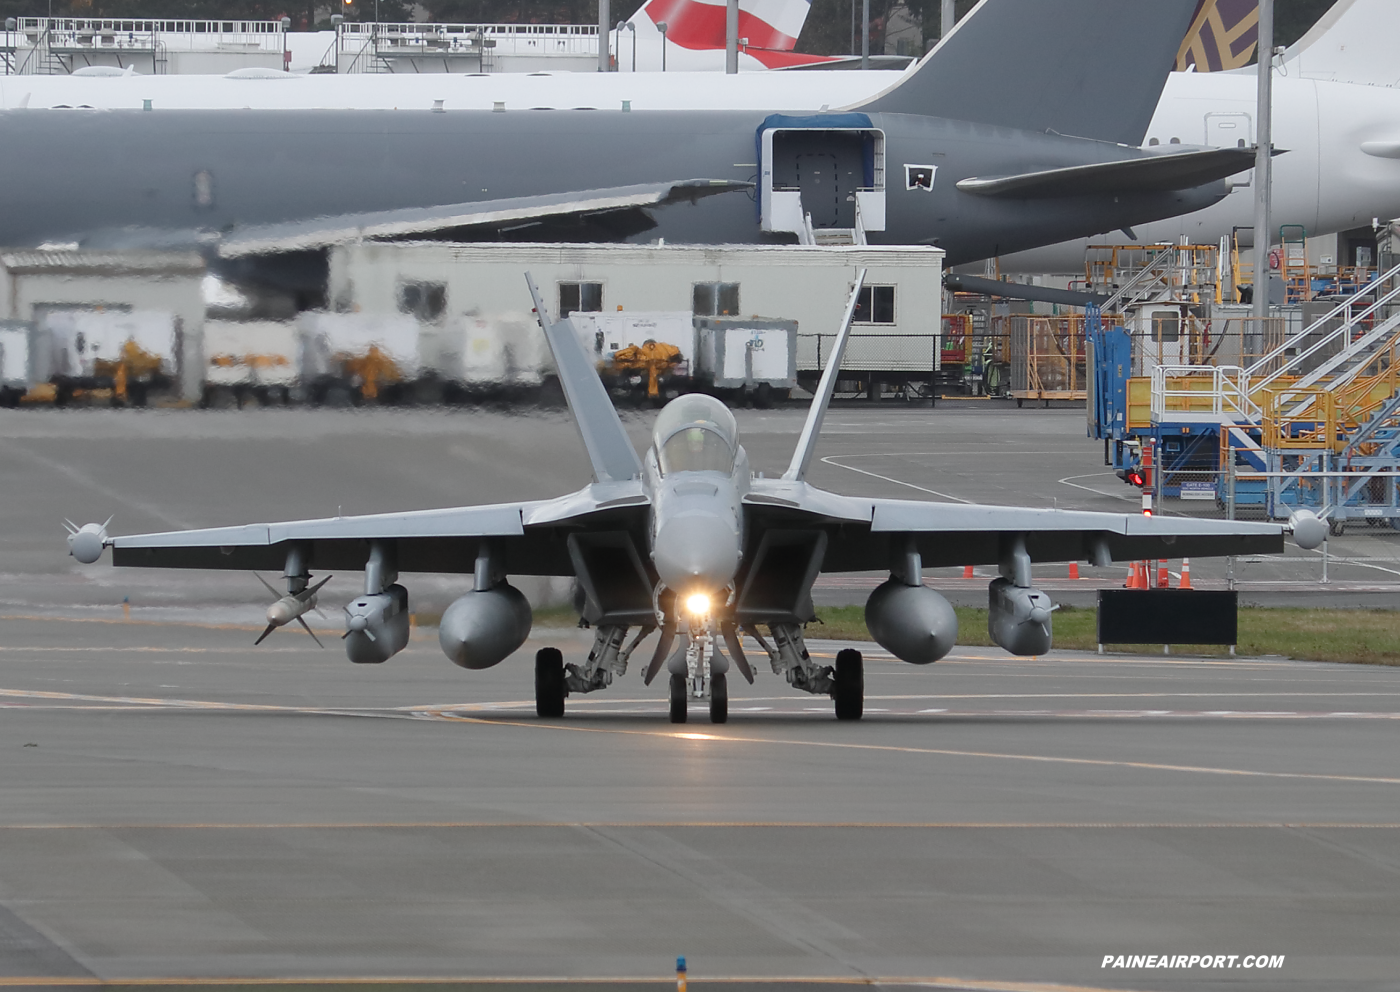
(1132, 582)
(1185, 573)
(1074, 570)
(1164, 579)
(967, 571)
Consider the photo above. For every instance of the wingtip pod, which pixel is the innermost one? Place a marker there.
(86, 543)
(1309, 530)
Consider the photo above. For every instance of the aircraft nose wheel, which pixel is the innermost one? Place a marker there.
(678, 699)
(549, 683)
(848, 690)
(719, 699)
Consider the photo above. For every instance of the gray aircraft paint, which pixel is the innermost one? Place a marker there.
(110, 178)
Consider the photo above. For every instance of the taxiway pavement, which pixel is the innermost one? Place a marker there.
(179, 804)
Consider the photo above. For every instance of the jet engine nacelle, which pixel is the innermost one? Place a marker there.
(1018, 618)
(913, 623)
(482, 629)
(376, 627)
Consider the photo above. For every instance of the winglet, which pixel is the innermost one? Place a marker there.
(609, 448)
(811, 430)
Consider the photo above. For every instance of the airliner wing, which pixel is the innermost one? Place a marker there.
(489, 216)
(529, 536)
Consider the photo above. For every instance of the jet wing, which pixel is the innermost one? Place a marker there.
(493, 215)
(527, 536)
(863, 531)
(1156, 173)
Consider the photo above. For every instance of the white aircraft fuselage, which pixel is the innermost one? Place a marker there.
(1341, 166)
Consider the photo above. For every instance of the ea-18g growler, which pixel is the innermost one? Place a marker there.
(688, 543)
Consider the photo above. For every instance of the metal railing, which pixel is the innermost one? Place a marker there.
(366, 43)
(1181, 392)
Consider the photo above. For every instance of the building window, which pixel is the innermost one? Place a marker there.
(716, 299)
(585, 297)
(425, 300)
(875, 305)
(1166, 328)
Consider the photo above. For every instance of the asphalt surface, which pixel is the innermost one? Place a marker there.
(166, 470)
(178, 805)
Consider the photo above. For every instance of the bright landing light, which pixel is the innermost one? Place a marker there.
(698, 603)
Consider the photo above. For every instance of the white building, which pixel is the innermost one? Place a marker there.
(895, 335)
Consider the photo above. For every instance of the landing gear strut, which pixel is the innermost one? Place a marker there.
(550, 687)
(848, 685)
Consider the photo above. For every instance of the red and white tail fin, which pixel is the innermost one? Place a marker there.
(694, 37)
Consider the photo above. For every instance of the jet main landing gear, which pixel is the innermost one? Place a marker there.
(550, 687)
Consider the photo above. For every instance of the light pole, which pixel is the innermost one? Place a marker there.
(865, 34)
(603, 19)
(1263, 165)
(731, 37)
(661, 26)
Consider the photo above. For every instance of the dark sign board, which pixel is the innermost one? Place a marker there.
(1167, 616)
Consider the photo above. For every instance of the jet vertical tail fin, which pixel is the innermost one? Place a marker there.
(609, 448)
(1088, 68)
(812, 429)
(1223, 35)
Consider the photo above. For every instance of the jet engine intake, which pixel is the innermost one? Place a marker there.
(376, 626)
(1018, 618)
(484, 627)
(913, 623)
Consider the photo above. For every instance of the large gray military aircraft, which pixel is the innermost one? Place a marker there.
(687, 541)
(1019, 130)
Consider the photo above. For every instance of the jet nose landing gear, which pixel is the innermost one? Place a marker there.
(698, 671)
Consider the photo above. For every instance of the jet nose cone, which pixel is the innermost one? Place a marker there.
(697, 550)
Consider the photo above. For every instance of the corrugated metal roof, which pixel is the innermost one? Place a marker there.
(102, 262)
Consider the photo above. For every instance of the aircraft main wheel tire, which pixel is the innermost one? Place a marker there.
(848, 692)
(719, 699)
(678, 699)
(549, 683)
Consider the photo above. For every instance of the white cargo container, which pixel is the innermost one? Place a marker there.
(604, 334)
(747, 353)
(503, 350)
(894, 339)
(25, 357)
(326, 340)
(250, 353)
(82, 338)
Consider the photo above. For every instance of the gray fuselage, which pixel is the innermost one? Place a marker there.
(113, 177)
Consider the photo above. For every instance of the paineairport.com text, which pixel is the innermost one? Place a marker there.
(1192, 961)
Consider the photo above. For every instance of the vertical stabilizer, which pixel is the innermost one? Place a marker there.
(1223, 35)
(812, 429)
(1354, 42)
(609, 448)
(1088, 68)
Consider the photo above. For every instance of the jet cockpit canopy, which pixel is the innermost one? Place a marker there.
(695, 433)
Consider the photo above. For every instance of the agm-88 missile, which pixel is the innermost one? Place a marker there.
(376, 626)
(484, 627)
(1018, 618)
(913, 623)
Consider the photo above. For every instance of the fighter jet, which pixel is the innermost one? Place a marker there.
(689, 543)
(1019, 130)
